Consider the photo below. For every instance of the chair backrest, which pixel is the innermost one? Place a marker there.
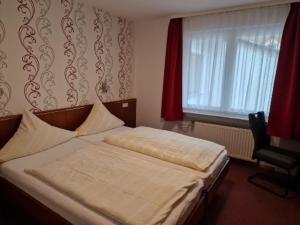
(257, 124)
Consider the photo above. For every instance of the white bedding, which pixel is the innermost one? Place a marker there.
(195, 153)
(99, 137)
(68, 208)
(207, 177)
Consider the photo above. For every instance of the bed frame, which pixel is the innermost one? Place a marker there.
(71, 118)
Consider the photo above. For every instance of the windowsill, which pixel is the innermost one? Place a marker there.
(225, 121)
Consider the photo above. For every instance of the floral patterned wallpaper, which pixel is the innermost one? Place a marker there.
(61, 53)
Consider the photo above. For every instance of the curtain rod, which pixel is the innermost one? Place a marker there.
(235, 8)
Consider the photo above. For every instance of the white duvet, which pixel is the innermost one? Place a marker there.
(169, 146)
(127, 189)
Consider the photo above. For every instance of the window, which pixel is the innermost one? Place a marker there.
(230, 60)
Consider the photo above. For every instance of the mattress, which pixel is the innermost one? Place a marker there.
(208, 176)
(71, 210)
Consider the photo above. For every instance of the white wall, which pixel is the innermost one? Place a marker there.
(150, 48)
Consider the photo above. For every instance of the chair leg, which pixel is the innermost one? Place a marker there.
(257, 163)
(284, 195)
(251, 180)
(288, 184)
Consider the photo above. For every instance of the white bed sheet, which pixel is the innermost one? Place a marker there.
(68, 208)
(207, 176)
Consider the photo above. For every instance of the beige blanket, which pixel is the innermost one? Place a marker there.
(128, 189)
(169, 146)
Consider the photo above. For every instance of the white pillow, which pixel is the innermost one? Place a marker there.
(32, 136)
(99, 120)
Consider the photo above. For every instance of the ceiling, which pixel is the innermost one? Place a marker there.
(142, 9)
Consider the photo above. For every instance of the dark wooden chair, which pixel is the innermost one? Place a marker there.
(263, 151)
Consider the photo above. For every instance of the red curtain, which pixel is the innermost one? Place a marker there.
(171, 109)
(284, 119)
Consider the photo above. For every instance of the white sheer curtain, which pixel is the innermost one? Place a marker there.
(230, 60)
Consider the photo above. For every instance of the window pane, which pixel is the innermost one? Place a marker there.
(206, 71)
(230, 60)
(254, 73)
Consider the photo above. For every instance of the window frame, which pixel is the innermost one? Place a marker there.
(232, 43)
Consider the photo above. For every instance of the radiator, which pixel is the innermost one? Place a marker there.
(238, 142)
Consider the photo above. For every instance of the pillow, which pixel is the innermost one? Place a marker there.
(32, 136)
(99, 119)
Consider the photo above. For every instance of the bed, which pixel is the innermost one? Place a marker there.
(208, 177)
(49, 206)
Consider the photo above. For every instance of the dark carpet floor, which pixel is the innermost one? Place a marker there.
(240, 203)
(236, 203)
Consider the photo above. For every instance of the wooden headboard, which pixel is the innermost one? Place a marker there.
(70, 118)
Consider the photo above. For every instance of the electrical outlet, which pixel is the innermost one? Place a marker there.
(125, 105)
